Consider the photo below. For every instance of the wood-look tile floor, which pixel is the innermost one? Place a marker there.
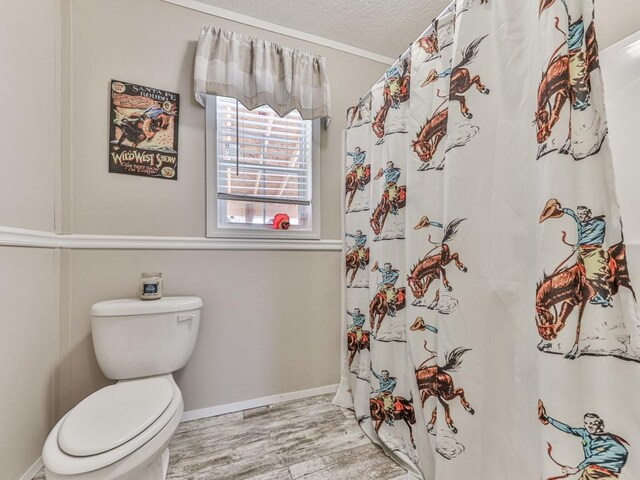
(308, 439)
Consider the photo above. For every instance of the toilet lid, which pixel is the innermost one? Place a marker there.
(114, 415)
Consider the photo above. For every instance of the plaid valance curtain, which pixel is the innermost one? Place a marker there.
(257, 72)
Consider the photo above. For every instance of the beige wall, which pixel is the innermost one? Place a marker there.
(271, 322)
(28, 120)
(28, 354)
(616, 19)
(110, 44)
(29, 32)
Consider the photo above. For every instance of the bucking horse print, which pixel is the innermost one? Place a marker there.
(430, 43)
(402, 409)
(357, 178)
(432, 266)
(436, 381)
(356, 260)
(355, 344)
(553, 94)
(440, 37)
(461, 80)
(396, 91)
(566, 81)
(380, 307)
(591, 282)
(461, 309)
(431, 134)
(394, 198)
(428, 145)
(559, 293)
(353, 184)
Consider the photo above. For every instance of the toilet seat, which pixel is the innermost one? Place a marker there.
(160, 394)
(125, 409)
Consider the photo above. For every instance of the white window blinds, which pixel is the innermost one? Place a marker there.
(260, 156)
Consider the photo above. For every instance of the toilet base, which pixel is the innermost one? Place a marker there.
(165, 463)
(154, 468)
(157, 470)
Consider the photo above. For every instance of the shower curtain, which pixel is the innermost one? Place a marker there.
(491, 328)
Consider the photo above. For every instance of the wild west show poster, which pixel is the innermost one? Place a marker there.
(143, 131)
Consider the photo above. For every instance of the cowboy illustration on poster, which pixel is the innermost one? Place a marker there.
(143, 131)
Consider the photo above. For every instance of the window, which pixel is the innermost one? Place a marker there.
(258, 165)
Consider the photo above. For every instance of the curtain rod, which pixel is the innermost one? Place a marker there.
(428, 31)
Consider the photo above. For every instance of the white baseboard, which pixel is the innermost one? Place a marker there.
(33, 470)
(256, 402)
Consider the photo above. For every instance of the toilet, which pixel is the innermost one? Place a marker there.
(122, 431)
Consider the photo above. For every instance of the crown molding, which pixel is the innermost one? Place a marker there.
(275, 28)
(19, 237)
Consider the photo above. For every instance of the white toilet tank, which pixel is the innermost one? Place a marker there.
(136, 338)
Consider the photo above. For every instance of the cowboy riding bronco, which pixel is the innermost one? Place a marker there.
(387, 286)
(358, 166)
(358, 322)
(579, 40)
(393, 86)
(591, 254)
(391, 188)
(359, 247)
(385, 392)
(605, 454)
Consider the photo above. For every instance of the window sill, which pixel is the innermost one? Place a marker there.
(262, 234)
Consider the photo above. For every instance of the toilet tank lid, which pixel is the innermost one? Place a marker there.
(135, 306)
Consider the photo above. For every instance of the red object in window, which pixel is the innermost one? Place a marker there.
(281, 221)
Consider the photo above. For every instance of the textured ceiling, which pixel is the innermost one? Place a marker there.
(386, 27)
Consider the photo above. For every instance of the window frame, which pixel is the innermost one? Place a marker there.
(257, 232)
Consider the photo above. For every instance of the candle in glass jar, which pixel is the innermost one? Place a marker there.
(151, 286)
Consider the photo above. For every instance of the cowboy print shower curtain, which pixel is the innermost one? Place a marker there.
(492, 329)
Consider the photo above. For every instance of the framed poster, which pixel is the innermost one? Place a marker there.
(143, 131)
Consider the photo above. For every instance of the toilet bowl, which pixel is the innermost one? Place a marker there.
(122, 431)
